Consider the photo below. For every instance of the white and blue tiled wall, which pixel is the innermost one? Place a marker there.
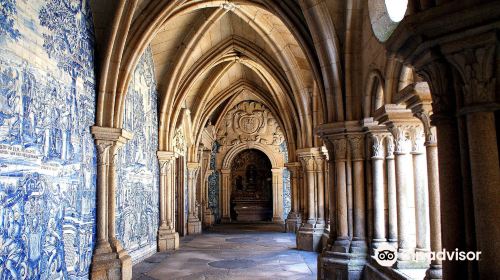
(47, 154)
(137, 199)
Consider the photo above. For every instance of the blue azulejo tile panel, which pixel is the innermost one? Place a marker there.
(287, 193)
(213, 183)
(47, 155)
(137, 165)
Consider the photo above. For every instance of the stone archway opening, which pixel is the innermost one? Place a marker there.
(251, 197)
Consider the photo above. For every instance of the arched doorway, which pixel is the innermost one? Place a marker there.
(251, 187)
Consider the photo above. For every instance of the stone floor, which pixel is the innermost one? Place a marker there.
(242, 251)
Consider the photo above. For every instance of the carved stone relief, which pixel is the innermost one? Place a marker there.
(249, 121)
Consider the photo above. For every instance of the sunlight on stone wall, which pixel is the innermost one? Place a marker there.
(137, 169)
(47, 156)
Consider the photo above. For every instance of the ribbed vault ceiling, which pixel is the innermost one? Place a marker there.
(208, 52)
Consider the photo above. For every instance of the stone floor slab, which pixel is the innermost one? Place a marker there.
(241, 251)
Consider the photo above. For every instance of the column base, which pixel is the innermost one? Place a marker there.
(358, 246)
(113, 264)
(194, 227)
(225, 220)
(309, 237)
(341, 245)
(325, 239)
(293, 222)
(435, 272)
(341, 266)
(208, 218)
(168, 240)
(278, 220)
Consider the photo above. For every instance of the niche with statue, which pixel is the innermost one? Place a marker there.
(251, 187)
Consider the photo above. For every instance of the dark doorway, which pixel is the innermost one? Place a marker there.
(251, 187)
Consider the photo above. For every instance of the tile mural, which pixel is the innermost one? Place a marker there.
(287, 193)
(137, 199)
(47, 155)
(213, 183)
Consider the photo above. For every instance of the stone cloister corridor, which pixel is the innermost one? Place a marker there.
(241, 139)
(241, 251)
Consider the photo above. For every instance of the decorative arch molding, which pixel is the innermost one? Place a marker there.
(374, 93)
(289, 124)
(250, 125)
(277, 163)
(274, 155)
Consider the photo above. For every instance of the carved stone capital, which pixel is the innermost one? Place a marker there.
(277, 171)
(429, 129)
(475, 63)
(108, 141)
(193, 168)
(390, 147)
(294, 168)
(417, 136)
(320, 162)
(378, 146)
(339, 149)
(308, 163)
(166, 161)
(402, 137)
(356, 144)
(103, 155)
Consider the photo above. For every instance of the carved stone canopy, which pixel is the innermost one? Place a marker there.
(249, 121)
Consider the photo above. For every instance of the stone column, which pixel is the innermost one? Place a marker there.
(331, 197)
(168, 238)
(435, 269)
(378, 154)
(400, 122)
(320, 188)
(342, 242)
(309, 234)
(293, 220)
(103, 147)
(337, 261)
(476, 62)
(421, 189)
(110, 260)
(404, 190)
(226, 195)
(392, 232)
(327, 188)
(277, 195)
(356, 144)
(194, 223)
(324, 178)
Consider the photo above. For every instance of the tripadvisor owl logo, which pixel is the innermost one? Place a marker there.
(385, 255)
